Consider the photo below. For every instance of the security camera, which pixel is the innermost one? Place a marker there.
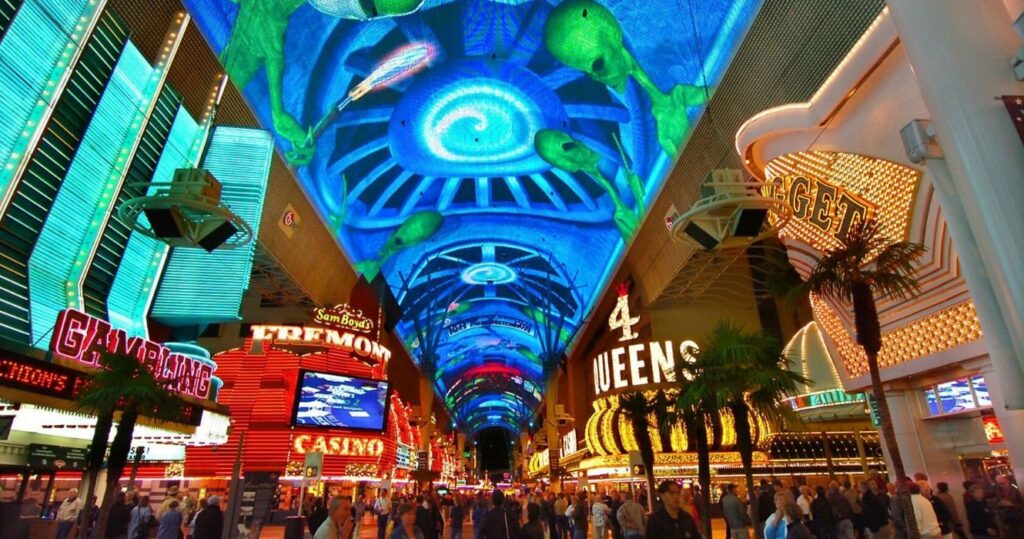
(919, 141)
(564, 420)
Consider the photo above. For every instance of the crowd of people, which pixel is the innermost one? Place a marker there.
(873, 509)
(132, 516)
(538, 515)
(879, 509)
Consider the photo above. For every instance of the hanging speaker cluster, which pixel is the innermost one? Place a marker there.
(730, 213)
(187, 212)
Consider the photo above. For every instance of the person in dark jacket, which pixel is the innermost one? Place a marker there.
(875, 514)
(497, 524)
(670, 521)
(980, 516)
(822, 515)
(765, 505)
(580, 516)
(425, 518)
(120, 514)
(533, 528)
(210, 520)
(796, 529)
(316, 518)
(844, 512)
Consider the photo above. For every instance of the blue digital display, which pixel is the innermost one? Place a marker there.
(344, 402)
(491, 159)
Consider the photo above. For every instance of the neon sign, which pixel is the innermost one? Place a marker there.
(320, 336)
(343, 317)
(339, 446)
(82, 339)
(830, 397)
(993, 430)
(639, 364)
(41, 378)
(829, 208)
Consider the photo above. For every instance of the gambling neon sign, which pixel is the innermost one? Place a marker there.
(82, 339)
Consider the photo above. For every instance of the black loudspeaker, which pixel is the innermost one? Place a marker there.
(217, 235)
(749, 223)
(699, 235)
(166, 222)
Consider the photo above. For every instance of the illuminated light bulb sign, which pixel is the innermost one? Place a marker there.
(829, 208)
(82, 339)
(635, 366)
(340, 446)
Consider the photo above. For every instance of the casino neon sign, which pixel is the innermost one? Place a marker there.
(340, 446)
(82, 339)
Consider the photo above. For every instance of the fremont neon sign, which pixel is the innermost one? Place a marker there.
(320, 336)
(80, 338)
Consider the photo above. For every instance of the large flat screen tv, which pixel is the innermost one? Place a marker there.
(339, 401)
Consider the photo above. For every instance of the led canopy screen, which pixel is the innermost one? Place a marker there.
(338, 401)
(490, 159)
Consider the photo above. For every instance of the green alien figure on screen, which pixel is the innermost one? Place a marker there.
(565, 153)
(416, 229)
(585, 35)
(257, 41)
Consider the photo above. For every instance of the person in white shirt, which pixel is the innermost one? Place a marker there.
(67, 515)
(804, 501)
(924, 514)
(599, 513)
(382, 508)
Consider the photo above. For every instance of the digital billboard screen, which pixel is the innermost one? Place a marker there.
(339, 401)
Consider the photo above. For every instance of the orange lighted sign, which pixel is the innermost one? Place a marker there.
(339, 446)
(993, 431)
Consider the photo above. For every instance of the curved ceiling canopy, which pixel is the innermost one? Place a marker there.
(489, 158)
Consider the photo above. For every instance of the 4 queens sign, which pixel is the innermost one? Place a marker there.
(81, 339)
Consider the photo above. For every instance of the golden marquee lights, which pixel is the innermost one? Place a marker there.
(825, 189)
(941, 331)
(837, 185)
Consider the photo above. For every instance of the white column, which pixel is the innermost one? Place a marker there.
(1011, 421)
(904, 423)
(960, 55)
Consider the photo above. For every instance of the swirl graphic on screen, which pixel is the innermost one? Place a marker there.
(480, 122)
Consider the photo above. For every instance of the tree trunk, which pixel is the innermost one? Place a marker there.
(93, 465)
(869, 336)
(643, 441)
(745, 446)
(704, 474)
(119, 450)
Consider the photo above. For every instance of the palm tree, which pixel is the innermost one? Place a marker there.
(124, 383)
(637, 410)
(94, 460)
(746, 373)
(866, 264)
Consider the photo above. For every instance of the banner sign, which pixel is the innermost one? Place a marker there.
(55, 457)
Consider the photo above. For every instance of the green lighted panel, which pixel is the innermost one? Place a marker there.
(73, 285)
(47, 97)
